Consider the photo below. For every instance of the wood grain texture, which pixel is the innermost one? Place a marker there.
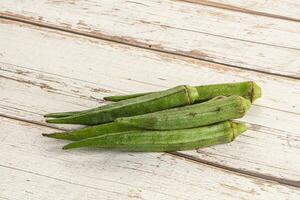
(34, 167)
(283, 10)
(54, 71)
(251, 41)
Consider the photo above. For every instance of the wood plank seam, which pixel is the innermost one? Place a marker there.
(232, 38)
(73, 183)
(238, 9)
(239, 171)
(63, 76)
(149, 29)
(57, 179)
(282, 181)
(140, 45)
(119, 171)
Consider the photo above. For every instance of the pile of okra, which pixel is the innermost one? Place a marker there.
(181, 118)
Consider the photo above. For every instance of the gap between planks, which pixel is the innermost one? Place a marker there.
(239, 9)
(122, 41)
(189, 158)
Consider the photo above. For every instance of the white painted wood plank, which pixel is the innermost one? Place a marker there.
(74, 95)
(224, 36)
(248, 152)
(17, 184)
(36, 168)
(128, 69)
(59, 80)
(283, 9)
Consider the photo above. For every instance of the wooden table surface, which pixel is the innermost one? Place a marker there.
(60, 55)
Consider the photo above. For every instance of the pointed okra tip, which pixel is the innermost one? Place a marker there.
(47, 115)
(63, 120)
(256, 92)
(70, 146)
(62, 136)
(55, 115)
(111, 98)
(66, 147)
(52, 120)
(79, 144)
(47, 134)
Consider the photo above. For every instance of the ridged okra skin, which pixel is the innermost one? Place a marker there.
(91, 131)
(196, 115)
(249, 90)
(174, 97)
(158, 141)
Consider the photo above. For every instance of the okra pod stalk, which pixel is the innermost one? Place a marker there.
(158, 141)
(201, 114)
(249, 90)
(91, 131)
(174, 97)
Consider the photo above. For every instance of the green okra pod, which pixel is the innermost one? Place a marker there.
(174, 97)
(249, 90)
(157, 141)
(201, 114)
(91, 131)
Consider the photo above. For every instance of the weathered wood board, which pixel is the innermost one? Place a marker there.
(59, 55)
(56, 80)
(33, 167)
(219, 35)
